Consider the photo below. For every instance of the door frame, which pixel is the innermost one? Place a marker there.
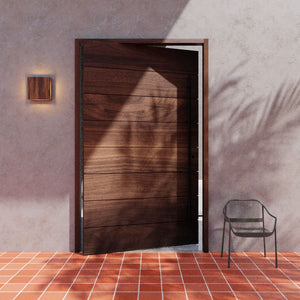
(205, 93)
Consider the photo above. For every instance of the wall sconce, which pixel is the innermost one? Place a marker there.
(39, 88)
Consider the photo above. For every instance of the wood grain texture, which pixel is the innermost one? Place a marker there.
(130, 160)
(134, 211)
(138, 57)
(134, 108)
(135, 83)
(127, 186)
(132, 237)
(135, 134)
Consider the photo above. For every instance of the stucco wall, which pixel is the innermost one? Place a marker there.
(254, 106)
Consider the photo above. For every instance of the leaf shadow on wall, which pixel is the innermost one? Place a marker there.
(248, 141)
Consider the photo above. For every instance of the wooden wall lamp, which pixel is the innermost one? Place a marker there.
(39, 88)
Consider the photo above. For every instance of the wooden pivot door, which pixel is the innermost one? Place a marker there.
(139, 158)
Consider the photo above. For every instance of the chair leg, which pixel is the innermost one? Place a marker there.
(229, 241)
(276, 261)
(265, 253)
(223, 238)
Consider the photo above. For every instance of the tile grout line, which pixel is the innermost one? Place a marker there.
(224, 277)
(265, 277)
(55, 275)
(75, 277)
(32, 276)
(179, 267)
(99, 272)
(161, 277)
(10, 277)
(203, 276)
(117, 283)
(140, 272)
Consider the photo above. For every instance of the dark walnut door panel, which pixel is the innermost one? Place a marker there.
(139, 125)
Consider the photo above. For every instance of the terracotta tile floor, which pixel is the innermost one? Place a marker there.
(148, 276)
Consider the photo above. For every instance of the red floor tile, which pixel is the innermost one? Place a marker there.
(125, 296)
(265, 287)
(89, 272)
(274, 296)
(150, 272)
(247, 295)
(35, 287)
(79, 279)
(81, 287)
(7, 295)
(174, 272)
(171, 279)
(8, 272)
(104, 287)
(150, 279)
(174, 296)
(241, 287)
(130, 272)
(292, 296)
(77, 296)
(107, 279)
(237, 279)
(28, 296)
(52, 296)
(215, 279)
(173, 287)
(257, 279)
(223, 296)
(102, 296)
(4, 279)
(13, 287)
(42, 279)
(287, 287)
(196, 287)
(150, 296)
(198, 296)
(128, 279)
(58, 287)
(150, 287)
(218, 287)
(253, 273)
(194, 272)
(20, 279)
(127, 287)
(27, 272)
(109, 272)
(193, 279)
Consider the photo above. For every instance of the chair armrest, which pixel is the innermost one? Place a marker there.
(272, 216)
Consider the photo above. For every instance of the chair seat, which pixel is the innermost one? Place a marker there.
(251, 232)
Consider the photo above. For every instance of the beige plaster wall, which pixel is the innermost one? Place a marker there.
(254, 106)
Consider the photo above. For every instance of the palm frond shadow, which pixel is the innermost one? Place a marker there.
(249, 139)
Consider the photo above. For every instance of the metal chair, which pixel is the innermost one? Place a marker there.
(247, 218)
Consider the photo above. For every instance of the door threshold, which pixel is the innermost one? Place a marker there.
(181, 248)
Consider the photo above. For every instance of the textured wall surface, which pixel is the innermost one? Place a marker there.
(254, 107)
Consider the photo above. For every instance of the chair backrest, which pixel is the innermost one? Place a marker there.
(249, 210)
